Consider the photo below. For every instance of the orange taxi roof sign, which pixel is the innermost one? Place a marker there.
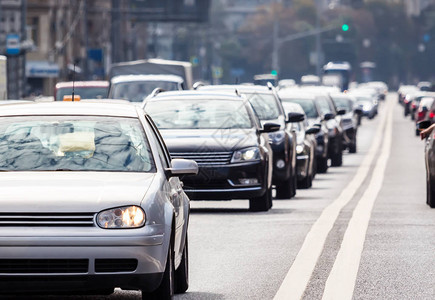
(69, 98)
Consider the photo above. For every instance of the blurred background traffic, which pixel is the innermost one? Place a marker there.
(224, 41)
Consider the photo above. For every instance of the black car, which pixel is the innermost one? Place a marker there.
(306, 145)
(223, 135)
(429, 158)
(268, 108)
(350, 120)
(329, 137)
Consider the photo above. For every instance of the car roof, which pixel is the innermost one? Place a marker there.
(146, 77)
(65, 108)
(296, 93)
(193, 94)
(239, 87)
(95, 83)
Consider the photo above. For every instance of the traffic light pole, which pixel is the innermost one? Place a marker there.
(278, 42)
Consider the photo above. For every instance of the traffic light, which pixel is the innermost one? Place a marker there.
(345, 27)
(274, 72)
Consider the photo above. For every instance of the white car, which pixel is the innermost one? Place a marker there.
(90, 201)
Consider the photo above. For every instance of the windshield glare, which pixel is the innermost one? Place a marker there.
(73, 144)
(307, 105)
(199, 114)
(264, 105)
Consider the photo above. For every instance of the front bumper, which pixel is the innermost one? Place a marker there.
(223, 182)
(76, 262)
(302, 162)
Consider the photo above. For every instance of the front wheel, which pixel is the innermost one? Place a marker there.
(182, 273)
(337, 159)
(262, 203)
(430, 194)
(322, 165)
(352, 147)
(167, 286)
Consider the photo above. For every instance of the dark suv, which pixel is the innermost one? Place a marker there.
(268, 108)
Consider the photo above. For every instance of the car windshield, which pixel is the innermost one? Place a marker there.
(93, 92)
(265, 105)
(307, 105)
(136, 91)
(199, 114)
(343, 103)
(46, 143)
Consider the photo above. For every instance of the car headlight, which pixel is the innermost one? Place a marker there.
(121, 217)
(299, 149)
(248, 154)
(276, 137)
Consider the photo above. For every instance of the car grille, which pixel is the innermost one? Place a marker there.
(45, 266)
(47, 219)
(115, 265)
(205, 158)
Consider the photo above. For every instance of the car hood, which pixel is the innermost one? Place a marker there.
(209, 140)
(71, 191)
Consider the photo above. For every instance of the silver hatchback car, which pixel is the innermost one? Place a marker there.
(90, 201)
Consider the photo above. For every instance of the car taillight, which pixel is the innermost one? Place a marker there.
(421, 114)
(431, 115)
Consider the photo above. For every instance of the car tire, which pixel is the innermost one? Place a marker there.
(337, 159)
(305, 183)
(430, 194)
(167, 285)
(352, 147)
(182, 273)
(284, 190)
(261, 203)
(322, 165)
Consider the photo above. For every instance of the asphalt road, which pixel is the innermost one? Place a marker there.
(363, 231)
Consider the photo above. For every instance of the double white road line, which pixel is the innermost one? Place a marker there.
(341, 281)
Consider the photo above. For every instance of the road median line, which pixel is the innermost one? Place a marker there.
(297, 278)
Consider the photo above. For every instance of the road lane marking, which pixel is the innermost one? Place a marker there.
(297, 278)
(342, 278)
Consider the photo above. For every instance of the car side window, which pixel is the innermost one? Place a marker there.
(161, 147)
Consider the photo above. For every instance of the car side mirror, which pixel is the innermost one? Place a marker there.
(328, 116)
(423, 124)
(312, 130)
(181, 167)
(294, 117)
(358, 111)
(341, 112)
(270, 127)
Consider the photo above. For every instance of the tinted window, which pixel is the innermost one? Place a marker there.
(265, 106)
(198, 114)
(307, 105)
(74, 143)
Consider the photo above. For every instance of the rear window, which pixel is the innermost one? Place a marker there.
(83, 92)
(76, 143)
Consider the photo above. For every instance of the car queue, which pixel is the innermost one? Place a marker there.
(419, 102)
(127, 172)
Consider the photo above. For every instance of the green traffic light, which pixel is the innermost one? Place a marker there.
(274, 72)
(345, 27)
